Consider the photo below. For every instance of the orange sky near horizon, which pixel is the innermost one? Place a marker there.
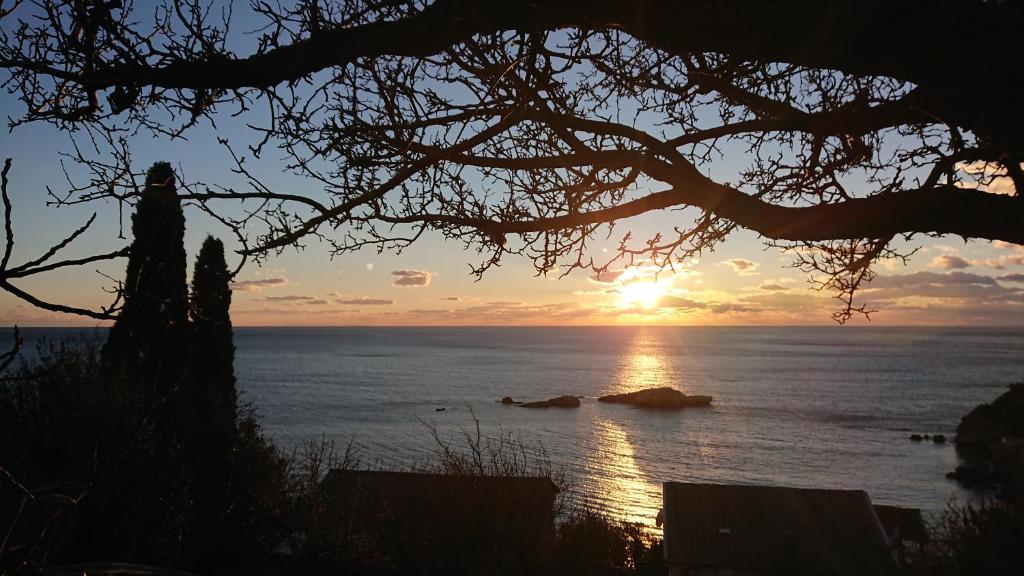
(972, 284)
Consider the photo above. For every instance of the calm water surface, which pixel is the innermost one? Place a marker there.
(807, 407)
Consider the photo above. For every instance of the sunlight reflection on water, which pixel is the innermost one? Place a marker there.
(623, 488)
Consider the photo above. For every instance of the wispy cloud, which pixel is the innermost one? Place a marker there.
(742, 266)
(950, 262)
(410, 278)
(286, 298)
(258, 284)
(361, 301)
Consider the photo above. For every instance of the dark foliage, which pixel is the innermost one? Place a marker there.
(144, 354)
(67, 425)
(982, 539)
(167, 470)
(213, 398)
(153, 321)
(590, 543)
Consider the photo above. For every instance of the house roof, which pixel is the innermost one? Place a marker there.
(770, 529)
(904, 523)
(386, 481)
(432, 498)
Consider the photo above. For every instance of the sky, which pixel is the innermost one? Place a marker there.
(946, 282)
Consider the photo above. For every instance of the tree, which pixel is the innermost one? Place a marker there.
(151, 328)
(531, 128)
(144, 359)
(213, 395)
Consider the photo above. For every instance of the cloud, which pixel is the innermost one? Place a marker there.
(985, 176)
(607, 277)
(361, 301)
(317, 302)
(962, 286)
(773, 287)
(950, 262)
(727, 307)
(679, 302)
(286, 298)
(742, 266)
(930, 278)
(458, 298)
(258, 285)
(1016, 278)
(411, 277)
(1007, 246)
(1002, 262)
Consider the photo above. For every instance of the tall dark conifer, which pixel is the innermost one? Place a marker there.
(151, 327)
(144, 360)
(213, 394)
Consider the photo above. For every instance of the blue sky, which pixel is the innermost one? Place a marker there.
(947, 282)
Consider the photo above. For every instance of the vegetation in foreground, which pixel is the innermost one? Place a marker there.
(274, 519)
(136, 450)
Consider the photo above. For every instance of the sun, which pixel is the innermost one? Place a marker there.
(642, 293)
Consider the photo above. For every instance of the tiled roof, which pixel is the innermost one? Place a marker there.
(765, 529)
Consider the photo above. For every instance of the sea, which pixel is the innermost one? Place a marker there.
(815, 407)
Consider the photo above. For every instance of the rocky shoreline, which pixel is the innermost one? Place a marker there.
(990, 440)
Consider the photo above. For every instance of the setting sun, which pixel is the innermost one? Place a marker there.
(642, 293)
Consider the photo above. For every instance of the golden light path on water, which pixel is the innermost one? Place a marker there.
(622, 486)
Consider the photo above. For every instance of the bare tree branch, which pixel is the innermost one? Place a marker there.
(529, 129)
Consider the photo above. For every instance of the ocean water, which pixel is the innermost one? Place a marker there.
(807, 407)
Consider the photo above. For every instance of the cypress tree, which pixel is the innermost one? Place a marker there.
(150, 330)
(144, 359)
(213, 392)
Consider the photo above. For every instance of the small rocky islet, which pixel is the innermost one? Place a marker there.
(565, 401)
(664, 397)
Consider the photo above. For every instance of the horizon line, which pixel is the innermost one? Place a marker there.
(824, 325)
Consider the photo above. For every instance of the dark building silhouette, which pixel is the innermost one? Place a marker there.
(713, 529)
(491, 524)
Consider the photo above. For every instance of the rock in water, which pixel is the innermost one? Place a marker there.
(507, 400)
(663, 397)
(991, 441)
(559, 402)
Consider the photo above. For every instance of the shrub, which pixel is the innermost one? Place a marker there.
(975, 539)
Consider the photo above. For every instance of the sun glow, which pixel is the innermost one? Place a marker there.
(642, 293)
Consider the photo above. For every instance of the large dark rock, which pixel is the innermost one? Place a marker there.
(990, 439)
(664, 397)
(559, 402)
(507, 400)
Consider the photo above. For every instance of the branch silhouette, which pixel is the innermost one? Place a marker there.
(531, 129)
